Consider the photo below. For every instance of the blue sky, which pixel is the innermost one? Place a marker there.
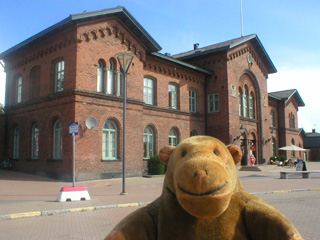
(288, 29)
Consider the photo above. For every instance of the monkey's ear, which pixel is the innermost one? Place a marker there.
(235, 152)
(165, 153)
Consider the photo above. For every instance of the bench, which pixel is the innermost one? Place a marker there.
(305, 174)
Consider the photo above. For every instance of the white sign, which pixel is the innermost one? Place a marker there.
(73, 128)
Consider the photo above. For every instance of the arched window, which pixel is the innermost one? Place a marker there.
(35, 141)
(111, 76)
(251, 105)
(16, 141)
(193, 101)
(246, 101)
(240, 102)
(193, 133)
(57, 139)
(110, 141)
(58, 76)
(291, 121)
(17, 89)
(101, 79)
(148, 91)
(173, 96)
(148, 142)
(173, 137)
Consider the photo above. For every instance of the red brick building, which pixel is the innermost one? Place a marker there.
(68, 73)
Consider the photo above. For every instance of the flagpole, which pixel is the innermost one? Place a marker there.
(241, 18)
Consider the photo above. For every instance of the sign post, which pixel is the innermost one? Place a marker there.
(73, 131)
(73, 193)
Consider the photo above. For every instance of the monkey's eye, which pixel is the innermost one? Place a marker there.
(216, 152)
(183, 153)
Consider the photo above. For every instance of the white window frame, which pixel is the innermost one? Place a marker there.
(110, 141)
(148, 91)
(111, 74)
(18, 89)
(173, 96)
(57, 140)
(251, 106)
(213, 103)
(35, 141)
(173, 137)
(148, 142)
(120, 83)
(193, 101)
(16, 142)
(59, 76)
(240, 102)
(101, 76)
(246, 102)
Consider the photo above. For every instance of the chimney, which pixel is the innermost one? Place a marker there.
(196, 46)
(313, 130)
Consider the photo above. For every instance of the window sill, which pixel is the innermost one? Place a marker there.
(33, 159)
(54, 160)
(111, 160)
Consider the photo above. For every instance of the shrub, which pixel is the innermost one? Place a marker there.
(155, 166)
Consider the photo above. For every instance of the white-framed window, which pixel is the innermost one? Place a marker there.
(57, 139)
(16, 141)
(110, 141)
(101, 78)
(18, 88)
(120, 84)
(251, 105)
(111, 77)
(59, 76)
(173, 96)
(193, 101)
(148, 91)
(173, 137)
(193, 133)
(240, 102)
(246, 101)
(35, 141)
(213, 103)
(148, 142)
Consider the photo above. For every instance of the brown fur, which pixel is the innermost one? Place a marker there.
(202, 198)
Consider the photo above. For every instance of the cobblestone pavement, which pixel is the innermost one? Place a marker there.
(297, 198)
(302, 208)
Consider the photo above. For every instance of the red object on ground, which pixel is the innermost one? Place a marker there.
(73, 189)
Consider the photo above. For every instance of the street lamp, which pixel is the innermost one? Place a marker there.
(242, 130)
(273, 135)
(124, 60)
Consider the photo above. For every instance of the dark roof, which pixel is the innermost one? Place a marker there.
(312, 134)
(121, 12)
(229, 45)
(171, 59)
(286, 94)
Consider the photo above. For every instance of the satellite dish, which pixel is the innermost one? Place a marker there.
(91, 122)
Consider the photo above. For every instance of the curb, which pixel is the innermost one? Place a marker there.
(122, 205)
(71, 210)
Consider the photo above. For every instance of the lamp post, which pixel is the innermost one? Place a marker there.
(124, 60)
